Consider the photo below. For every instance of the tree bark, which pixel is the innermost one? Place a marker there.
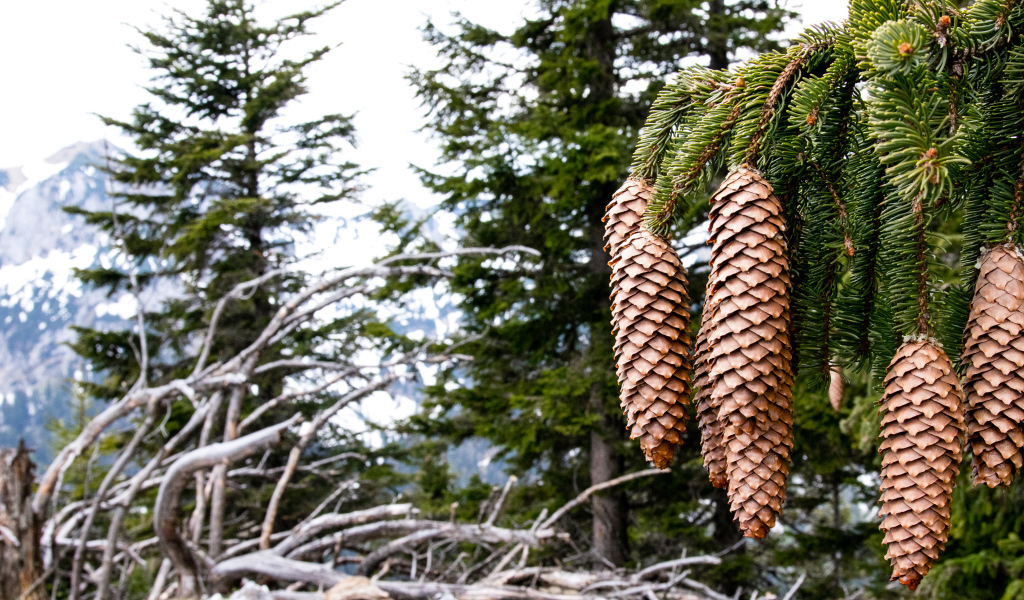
(610, 509)
(20, 559)
(726, 531)
(611, 512)
(718, 35)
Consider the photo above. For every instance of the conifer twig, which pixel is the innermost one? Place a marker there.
(770, 105)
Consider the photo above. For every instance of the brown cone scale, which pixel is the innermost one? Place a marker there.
(651, 318)
(994, 356)
(922, 436)
(624, 214)
(749, 360)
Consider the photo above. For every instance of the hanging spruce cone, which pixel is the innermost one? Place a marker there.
(652, 346)
(749, 359)
(994, 355)
(712, 444)
(624, 213)
(622, 219)
(922, 430)
(835, 388)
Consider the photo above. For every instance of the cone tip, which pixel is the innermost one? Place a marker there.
(758, 533)
(911, 580)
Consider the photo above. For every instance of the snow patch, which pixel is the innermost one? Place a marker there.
(56, 271)
(34, 173)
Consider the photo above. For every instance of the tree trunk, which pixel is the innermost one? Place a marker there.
(718, 35)
(20, 561)
(726, 531)
(611, 508)
(611, 512)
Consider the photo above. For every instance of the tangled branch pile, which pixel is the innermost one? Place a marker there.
(853, 157)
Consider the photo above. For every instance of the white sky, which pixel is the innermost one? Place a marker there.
(62, 61)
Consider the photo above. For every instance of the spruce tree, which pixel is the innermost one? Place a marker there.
(214, 192)
(870, 223)
(537, 126)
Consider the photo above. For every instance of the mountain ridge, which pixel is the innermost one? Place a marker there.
(41, 245)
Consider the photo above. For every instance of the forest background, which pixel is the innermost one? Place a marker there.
(830, 531)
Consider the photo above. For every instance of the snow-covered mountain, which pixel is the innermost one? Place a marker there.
(40, 297)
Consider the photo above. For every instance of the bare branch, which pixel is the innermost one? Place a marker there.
(597, 488)
(458, 252)
(101, 493)
(796, 586)
(310, 433)
(501, 500)
(299, 364)
(282, 569)
(334, 521)
(274, 402)
(165, 517)
(92, 430)
(238, 292)
(427, 530)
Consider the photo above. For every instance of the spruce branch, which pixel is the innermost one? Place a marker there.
(771, 103)
(693, 164)
(690, 88)
(844, 217)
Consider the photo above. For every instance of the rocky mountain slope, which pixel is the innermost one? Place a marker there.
(40, 298)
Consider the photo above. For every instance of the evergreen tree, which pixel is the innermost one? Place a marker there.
(538, 126)
(214, 193)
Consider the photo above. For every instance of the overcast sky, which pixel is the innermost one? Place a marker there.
(65, 60)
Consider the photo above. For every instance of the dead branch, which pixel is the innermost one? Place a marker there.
(264, 564)
(796, 586)
(108, 480)
(165, 518)
(332, 521)
(597, 488)
(309, 432)
(238, 292)
(462, 560)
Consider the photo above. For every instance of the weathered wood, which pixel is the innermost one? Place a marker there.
(20, 559)
(564, 585)
(165, 519)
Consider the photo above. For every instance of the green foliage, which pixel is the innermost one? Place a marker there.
(898, 48)
(928, 94)
(669, 112)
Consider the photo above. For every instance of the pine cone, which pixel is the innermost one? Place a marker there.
(711, 442)
(622, 218)
(922, 431)
(750, 362)
(994, 355)
(835, 388)
(624, 213)
(652, 346)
